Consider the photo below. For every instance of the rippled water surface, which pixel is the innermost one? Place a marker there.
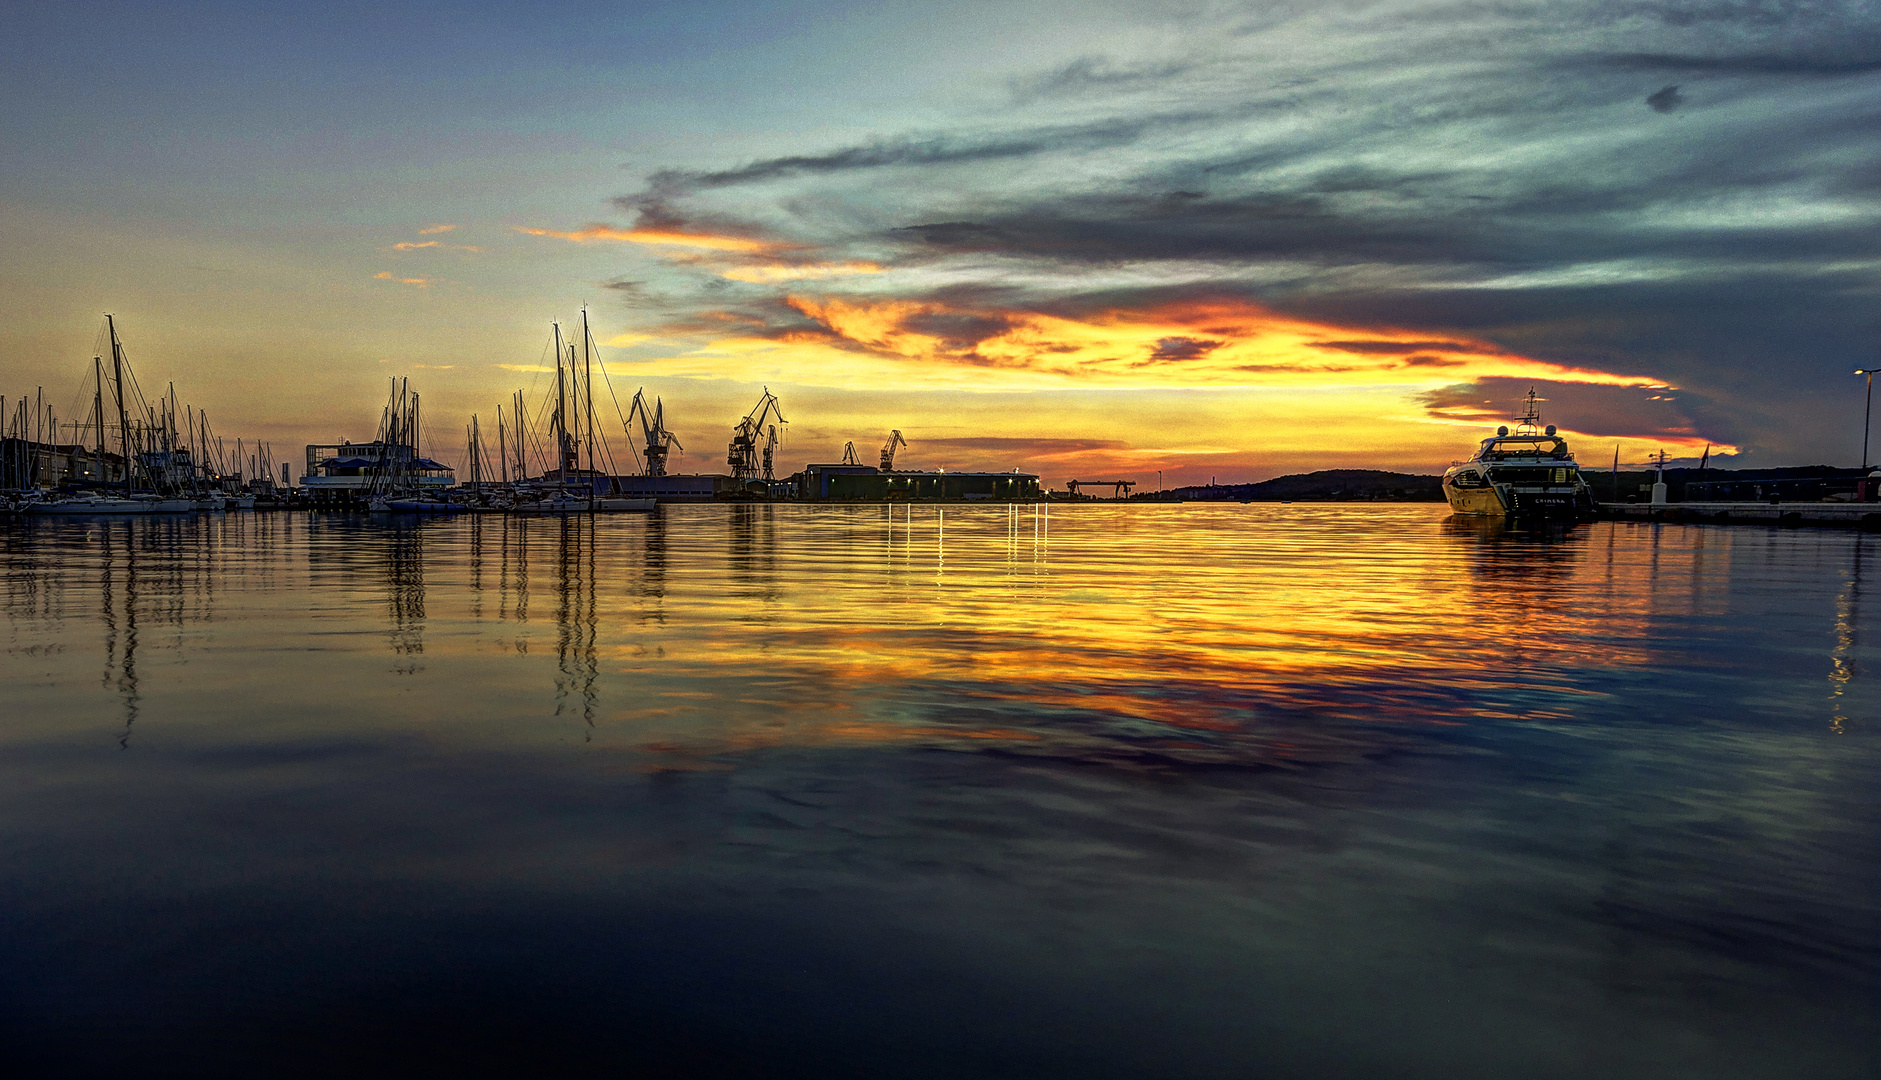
(1143, 791)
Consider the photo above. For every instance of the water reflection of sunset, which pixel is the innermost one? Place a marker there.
(1144, 636)
(953, 725)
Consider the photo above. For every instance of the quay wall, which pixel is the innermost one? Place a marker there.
(1846, 515)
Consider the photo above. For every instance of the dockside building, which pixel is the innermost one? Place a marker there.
(869, 484)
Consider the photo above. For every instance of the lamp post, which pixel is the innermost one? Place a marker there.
(1866, 412)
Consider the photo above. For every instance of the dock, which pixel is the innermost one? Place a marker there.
(1845, 515)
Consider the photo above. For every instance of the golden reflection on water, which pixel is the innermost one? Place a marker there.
(1847, 636)
(1141, 636)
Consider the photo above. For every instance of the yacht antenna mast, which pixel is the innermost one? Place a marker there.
(1531, 415)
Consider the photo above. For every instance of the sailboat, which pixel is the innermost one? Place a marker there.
(129, 501)
(397, 488)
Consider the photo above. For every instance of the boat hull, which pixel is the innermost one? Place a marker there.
(1475, 502)
(110, 507)
(418, 506)
(555, 506)
(1469, 495)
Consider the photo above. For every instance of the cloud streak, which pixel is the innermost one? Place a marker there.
(420, 282)
(658, 238)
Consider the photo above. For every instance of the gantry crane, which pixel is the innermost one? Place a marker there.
(653, 430)
(753, 440)
(888, 450)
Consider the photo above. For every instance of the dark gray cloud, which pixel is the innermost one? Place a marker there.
(1177, 349)
(929, 151)
(1599, 411)
(1665, 100)
(1089, 74)
(1751, 64)
(957, 331)
(1394, 348)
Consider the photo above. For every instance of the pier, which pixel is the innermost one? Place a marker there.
(1846, 515)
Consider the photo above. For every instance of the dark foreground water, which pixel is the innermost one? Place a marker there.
(1182, 791)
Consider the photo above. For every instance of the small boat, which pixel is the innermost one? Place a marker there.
(556, 504)
(1529, 473)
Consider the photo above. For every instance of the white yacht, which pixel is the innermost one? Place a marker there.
(1527, 473)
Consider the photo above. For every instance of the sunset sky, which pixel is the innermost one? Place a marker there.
(1087, 240)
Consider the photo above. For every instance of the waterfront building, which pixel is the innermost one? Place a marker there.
(865, 482)
(344, 474)
(27, 463)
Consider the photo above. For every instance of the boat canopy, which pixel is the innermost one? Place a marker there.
(1511, 445)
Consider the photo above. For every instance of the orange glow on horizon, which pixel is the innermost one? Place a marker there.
(670, 237)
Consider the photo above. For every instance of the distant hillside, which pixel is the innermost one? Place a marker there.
(1372, 485)
(1330, 485)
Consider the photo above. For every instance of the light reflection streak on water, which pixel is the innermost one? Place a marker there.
(1847, 637)
(1133, 635)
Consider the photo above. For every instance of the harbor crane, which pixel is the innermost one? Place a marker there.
(849, 454)
(755, 439)
(888, 450)
(653, 430)
(1119, 488)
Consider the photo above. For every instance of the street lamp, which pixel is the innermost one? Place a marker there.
(1867, 411)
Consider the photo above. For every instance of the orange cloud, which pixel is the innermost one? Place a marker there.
(1187, 343)
(433, 230)
(421, 282)
(672, 237)
(412, 245)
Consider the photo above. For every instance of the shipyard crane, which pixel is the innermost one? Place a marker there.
(653, 430)
(752, 440)
(888, 450)
(849, 454)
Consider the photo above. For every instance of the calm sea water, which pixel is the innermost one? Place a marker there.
(1171, 791)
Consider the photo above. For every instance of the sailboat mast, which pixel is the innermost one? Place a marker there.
(98, 410)
(587, 378)
(561, 405)
(502, 448)
(476, 472)
(124, 421)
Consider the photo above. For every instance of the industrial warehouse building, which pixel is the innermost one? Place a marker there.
(864, 482)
